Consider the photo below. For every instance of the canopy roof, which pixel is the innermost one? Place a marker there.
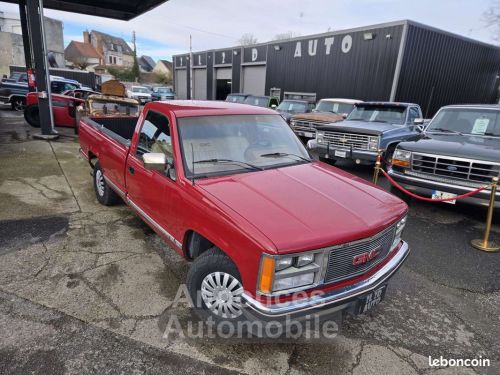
(118, 9)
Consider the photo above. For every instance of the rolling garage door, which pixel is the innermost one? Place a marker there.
(223, 73)
(254, 80)
(200, 84)
(181, 83)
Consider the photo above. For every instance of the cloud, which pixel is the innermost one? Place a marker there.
(220, 23)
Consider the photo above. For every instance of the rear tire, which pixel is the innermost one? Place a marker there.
(32, 116)
(105, 195)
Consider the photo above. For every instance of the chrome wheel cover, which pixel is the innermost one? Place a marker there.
(99, 182)
(18, 105)
(221, 293)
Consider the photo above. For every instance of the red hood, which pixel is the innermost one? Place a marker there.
(307, 206)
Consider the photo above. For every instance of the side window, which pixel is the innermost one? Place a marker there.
(413, 115)
(155, 135)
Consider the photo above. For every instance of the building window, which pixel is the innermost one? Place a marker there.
(111, 59)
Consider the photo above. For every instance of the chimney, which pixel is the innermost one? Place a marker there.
(86, 37)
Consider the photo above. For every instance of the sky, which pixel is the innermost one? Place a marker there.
(165, 30)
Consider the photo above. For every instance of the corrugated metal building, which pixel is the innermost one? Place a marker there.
(401, 61)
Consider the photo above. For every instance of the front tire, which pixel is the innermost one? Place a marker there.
(105, 195)
(32, 116)
(216, 280)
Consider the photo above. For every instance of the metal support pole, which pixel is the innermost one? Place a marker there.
(485, 244)
(39, 47)
(28, 55)
(378, 164)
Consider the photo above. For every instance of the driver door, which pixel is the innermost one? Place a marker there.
(151, 191)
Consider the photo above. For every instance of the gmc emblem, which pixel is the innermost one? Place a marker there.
(365, 257)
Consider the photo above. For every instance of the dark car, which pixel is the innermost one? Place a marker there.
(262, 101)
(458, 152)
(371, 126)
(289, 108)
(162, 93)
(236, 98)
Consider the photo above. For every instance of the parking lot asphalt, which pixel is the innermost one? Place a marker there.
(86, 288)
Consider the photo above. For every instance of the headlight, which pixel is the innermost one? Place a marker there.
(400, 226)
(401, 158)
(289, 273)
(320, 135)
(373, 143)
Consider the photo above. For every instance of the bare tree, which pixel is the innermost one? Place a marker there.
(492, 19)
(247, 39)
(286, 35)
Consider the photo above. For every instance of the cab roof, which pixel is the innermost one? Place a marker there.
(391, 104)
(193, 108)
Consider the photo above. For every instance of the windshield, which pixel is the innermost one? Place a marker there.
(259, 101)
(289, 106)
(473, 121)
(235, 98)
(328, 106)
(262, 141)
(140, 89)
(164, 90)
(379, 113)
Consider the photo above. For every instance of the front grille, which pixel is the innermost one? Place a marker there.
(307, 126)
(348, 140)
(455, 168)
(340, 260)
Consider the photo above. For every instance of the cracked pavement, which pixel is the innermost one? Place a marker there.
(86, 288)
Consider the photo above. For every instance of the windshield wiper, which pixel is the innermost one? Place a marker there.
(442, 130)
(283, 155)
(492, 134)
(229, 161)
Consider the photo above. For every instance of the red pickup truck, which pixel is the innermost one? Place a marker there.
(232, 189)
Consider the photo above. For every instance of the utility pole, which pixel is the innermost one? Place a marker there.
(190, 67)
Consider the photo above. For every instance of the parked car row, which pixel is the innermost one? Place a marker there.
(14, 90)
(146, 94)
(452, 154)
(69, 106)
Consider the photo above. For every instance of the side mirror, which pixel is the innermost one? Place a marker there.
(344, 115)
(418, 121)
(155, 161)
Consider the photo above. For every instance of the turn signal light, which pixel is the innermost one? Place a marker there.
(401, 163)
(266, 275)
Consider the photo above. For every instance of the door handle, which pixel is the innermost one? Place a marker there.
(131, 169)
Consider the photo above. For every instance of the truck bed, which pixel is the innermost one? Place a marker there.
(120, 129)
(108, 139)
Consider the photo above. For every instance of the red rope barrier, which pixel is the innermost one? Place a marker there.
(466, 195)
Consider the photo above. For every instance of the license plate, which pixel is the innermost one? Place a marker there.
(371, 300)
(340, 154)
(306, 134)
(436, 194)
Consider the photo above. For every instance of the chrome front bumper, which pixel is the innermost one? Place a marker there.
(336, 298)
(425, 187)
